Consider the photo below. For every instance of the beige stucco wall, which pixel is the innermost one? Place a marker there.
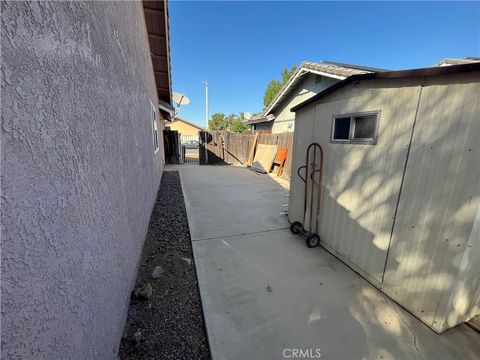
(183, 128)
(284, 118)
(433, 278)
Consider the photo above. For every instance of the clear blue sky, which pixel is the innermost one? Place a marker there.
(240, 46)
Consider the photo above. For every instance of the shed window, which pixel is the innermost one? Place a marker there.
(359, 128)
(341, 129)
(153, 115)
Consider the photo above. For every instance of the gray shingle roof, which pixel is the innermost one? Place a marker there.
(333, 69)
(259, 118)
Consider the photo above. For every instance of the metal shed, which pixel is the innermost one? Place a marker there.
(401, 184)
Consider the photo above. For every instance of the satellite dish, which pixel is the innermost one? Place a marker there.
(180, 99)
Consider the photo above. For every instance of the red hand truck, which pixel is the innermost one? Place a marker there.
(313, 166)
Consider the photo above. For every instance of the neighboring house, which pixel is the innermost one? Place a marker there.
(85, 92)
(184, 127)
(309, 79)
(261, 123)
(450, 61)
(400, 198)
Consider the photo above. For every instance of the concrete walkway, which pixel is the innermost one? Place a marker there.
(267, 296)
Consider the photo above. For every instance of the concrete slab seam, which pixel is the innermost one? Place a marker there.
(238, 235)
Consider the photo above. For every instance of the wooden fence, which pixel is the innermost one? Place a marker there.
(225, 147)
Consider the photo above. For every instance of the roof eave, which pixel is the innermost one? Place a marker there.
(187, 122)
(302, 70)
(259, 121)
(270, 107)
(167, 108)
(157, 27)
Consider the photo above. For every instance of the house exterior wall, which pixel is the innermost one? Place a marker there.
(184, 128)
(439, 197)
(79, 174)
(284, 118)
(263, 126)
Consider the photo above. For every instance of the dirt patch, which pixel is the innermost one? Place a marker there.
(166, 320)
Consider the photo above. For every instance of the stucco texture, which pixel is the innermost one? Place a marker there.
(79, 175)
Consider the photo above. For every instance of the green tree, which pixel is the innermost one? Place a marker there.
(274, 87)
(232, 122)
(218, 122)
(238, 125)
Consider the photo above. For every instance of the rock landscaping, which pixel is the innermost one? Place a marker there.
(165, 319)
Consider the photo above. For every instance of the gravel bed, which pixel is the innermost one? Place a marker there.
(166, 320)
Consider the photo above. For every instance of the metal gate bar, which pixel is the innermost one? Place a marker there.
(190, 148)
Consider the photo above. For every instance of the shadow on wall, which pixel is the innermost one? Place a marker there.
(438, 213)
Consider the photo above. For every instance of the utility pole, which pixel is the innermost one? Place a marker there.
(206, 104)
(205, 140)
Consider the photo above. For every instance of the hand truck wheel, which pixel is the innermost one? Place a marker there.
(312, 240)
(296, 227)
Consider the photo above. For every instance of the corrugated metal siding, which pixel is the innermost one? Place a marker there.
(361, 182)
(439, 201)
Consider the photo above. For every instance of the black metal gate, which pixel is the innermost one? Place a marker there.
(190, 149)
